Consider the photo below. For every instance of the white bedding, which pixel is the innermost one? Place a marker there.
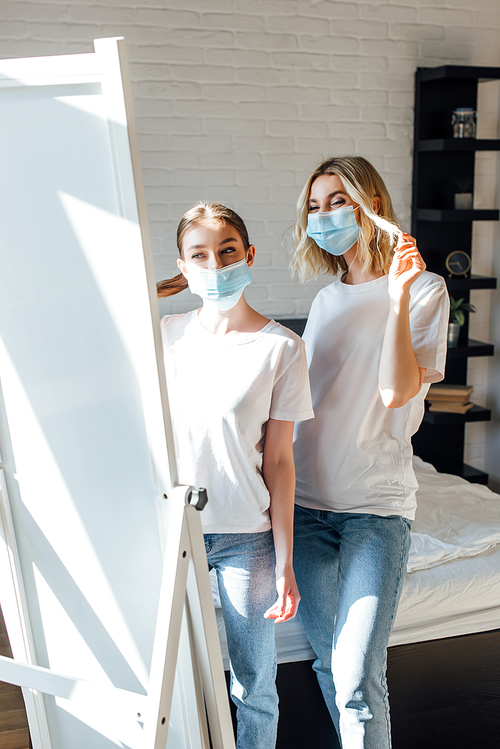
(454, 518)
(453, 582)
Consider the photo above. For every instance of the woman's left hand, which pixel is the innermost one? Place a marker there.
(288, 599)
(406, 266)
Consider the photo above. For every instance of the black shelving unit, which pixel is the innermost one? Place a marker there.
(459, 144)
(439, 160)
(470, 282)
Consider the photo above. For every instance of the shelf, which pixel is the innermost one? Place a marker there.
(459, 71)
(432, 214)
(476, 413)
(473, 348)
(458, 144)
(454, 283)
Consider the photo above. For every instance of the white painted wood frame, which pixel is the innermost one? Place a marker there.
(85, 433)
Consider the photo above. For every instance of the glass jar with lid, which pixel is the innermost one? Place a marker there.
(463, 120)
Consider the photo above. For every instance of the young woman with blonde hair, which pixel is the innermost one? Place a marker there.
(237, 382)
(375, 339)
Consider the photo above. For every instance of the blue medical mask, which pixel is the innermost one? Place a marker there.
(222, 287)
(335, 231)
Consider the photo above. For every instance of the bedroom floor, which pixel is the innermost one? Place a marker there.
(445, 694)
(13, 724)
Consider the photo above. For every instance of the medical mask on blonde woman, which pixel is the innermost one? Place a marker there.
(335, 231)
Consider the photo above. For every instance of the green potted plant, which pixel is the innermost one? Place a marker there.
(458, 308)
(463, 194)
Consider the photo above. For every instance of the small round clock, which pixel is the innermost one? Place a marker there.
(458, 263)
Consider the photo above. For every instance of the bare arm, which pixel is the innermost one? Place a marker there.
(279, 475)
(400, 377)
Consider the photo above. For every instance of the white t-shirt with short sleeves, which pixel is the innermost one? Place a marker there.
(222, 391)
(356, 455)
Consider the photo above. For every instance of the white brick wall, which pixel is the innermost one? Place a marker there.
(237, 101)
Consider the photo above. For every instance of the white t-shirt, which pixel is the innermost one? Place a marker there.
(356, 455)
(222, 391)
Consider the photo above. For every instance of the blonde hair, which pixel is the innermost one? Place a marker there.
(379, 233)
(201, 212)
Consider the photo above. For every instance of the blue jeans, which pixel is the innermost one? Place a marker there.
(245, 566)
(350, 570)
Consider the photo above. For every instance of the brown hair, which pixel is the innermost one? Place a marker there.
(378, 235)
(201, 212)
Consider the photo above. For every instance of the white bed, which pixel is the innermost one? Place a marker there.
(452, 586)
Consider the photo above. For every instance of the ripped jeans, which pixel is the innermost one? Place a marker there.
(350, 570)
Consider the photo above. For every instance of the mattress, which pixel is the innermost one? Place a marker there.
(452, 586)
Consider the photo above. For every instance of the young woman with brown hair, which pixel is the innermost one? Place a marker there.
(237, 382)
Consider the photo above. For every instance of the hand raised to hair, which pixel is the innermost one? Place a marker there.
(406, 266)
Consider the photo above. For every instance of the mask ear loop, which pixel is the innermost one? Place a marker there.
(352, 262)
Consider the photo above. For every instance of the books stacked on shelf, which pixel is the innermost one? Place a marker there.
(453, 399)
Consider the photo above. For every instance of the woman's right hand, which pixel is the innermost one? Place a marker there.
(407, 264)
